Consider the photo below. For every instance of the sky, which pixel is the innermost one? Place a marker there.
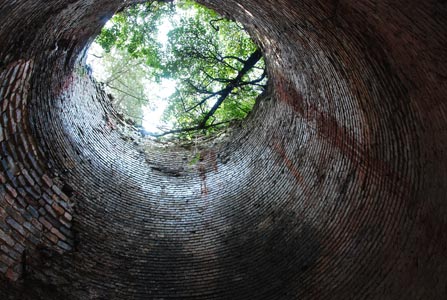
(156, 93)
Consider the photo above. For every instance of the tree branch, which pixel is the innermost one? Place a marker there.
(189, 129)
(126, 93)
(250, 62)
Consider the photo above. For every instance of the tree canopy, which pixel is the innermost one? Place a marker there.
(217, 69)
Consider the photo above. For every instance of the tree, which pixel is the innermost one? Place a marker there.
(126, 78)
(218, 69)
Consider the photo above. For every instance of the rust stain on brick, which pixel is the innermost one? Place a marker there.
(329, 129)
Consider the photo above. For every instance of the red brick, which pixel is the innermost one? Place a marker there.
(58, 209)
(45, 223)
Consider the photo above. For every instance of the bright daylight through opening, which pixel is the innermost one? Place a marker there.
(176, 68)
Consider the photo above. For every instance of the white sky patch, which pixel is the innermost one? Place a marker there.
(163, 30)
(94, 54)
(153, 113)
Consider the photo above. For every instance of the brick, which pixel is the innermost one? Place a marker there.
(65, 198)
(30, 228)
(56, 190)
(21, 180)
(50, 210)
(64, 246)
(3, 267)
(45, 223)
(14, 224)
(9, 199)
(52, 237)
(58, 209)
(12, 191)
(56, 232)
(33, 211)
(68, 216)
(65, 222)
(37, 224)
(6, 259)
(22, 191)
(17, 236)
(28, 178)
(42, 211)
(19, 248)
(66, 232)
(3, 213)
(54, 221)
(47, 180)
(34, 240)
(10, 252)
(47, 198)
(14, 212)
(65, 204)
(33, 193)
(21, 201)
(6, 238)
(12, 275)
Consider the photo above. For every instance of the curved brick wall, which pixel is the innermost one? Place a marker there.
(334, 188)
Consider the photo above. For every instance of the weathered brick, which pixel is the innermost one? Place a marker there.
(47, 180)
(52, 237)
(6, 259)
(56, 232)
(3, 267)
(42, 211)
(35, 240)
(12, 191)
(9, 199)
(37, 224)
(32, 211)
(30, 228)
(10, 252)
(17, 236)
(54, 221)
(47, 198)
(65, 222)
(33, 193)
(66, 232)
(14, 212)
(12, 275)
(45, 223)
(64, 246)
(19, 248)
(22, 191)
(68, 216)
(56, 189)
(28, 178)
(6, 238)
(20, 200)
(14, 224)
(51, 211)
(58, 209)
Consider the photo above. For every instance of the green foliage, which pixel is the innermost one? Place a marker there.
(135, 30)
(218, 69)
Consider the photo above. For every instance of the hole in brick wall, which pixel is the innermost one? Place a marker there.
(178, 69)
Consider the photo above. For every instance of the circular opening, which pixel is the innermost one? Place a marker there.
(177, 69)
